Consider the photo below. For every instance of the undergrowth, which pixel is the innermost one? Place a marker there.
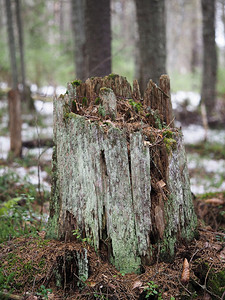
(18, 202)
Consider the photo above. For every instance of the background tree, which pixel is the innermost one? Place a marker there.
(209, 75)
(11, 43)
(98, 38)
(21, 43)
(152, 40)
(78, 28)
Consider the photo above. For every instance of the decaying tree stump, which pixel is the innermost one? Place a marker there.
(15, 123)
(120, 176)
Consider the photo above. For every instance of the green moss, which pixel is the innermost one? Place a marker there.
(66, 111)
(76, 83)
(216, 282)
(105, 89)
(136, 105)
(97, 101)
(84, 101)
(170, 144)
(101, 110)
(112, 76)
(168, 134)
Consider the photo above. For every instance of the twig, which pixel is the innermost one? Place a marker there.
(215, 232)
(11, 296)
(205, 289)
(207, 275)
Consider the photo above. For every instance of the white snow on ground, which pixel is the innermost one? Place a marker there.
(45, 108)
(191, 99)
(194, 134)
(50, 91)
(4, 147)
(29, 175)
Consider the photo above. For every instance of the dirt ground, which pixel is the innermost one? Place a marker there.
(45, 269)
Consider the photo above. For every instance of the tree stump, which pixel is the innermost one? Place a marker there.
(120, 175)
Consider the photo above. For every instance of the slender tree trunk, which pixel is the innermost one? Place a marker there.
(209, 76)
(78, 28)
(11, 42)
(98, 37)
(21, 43)
(152, 40)
(15, 123)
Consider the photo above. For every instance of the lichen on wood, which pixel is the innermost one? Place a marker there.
(118, 178)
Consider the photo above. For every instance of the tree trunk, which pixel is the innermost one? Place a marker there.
(98, 38)
(21, 44)
(120, 177)
(152, 40)
(78, 28)
(209, 75)
(15, 124)
(11, 42)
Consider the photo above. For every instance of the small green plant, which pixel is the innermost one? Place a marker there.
(97, 101)
(18, 218)
(84, 101)
(152, 289)
(76, 83)
(6, 281)
(136, 105)
(112, 76)
(101, 110)
(43, 292)
(77, 234)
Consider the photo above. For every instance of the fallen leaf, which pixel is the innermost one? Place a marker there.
(91, 283)
(137, 284)
(146, 143)
(185, 276)
(161, 183)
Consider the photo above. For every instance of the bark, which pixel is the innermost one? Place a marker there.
(98, 38)
(15, 123)
(21, 43)
(11, 43)
(123, 187)
(78, 28)
(209, 75)
(152, 40)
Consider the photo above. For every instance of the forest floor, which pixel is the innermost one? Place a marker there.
(33, 267)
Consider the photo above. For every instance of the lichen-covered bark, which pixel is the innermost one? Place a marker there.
(126, 195)
(180, 215)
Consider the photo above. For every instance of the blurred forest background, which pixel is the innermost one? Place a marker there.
(50, 44)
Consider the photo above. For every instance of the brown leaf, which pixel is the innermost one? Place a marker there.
(91, 283)
(161, 183)
(185, 276)
(137, 284)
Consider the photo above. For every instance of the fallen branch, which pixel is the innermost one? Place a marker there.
(38, 143)
(10, 296)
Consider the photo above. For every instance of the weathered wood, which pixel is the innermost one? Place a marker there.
(124, 185)
(15, 123)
